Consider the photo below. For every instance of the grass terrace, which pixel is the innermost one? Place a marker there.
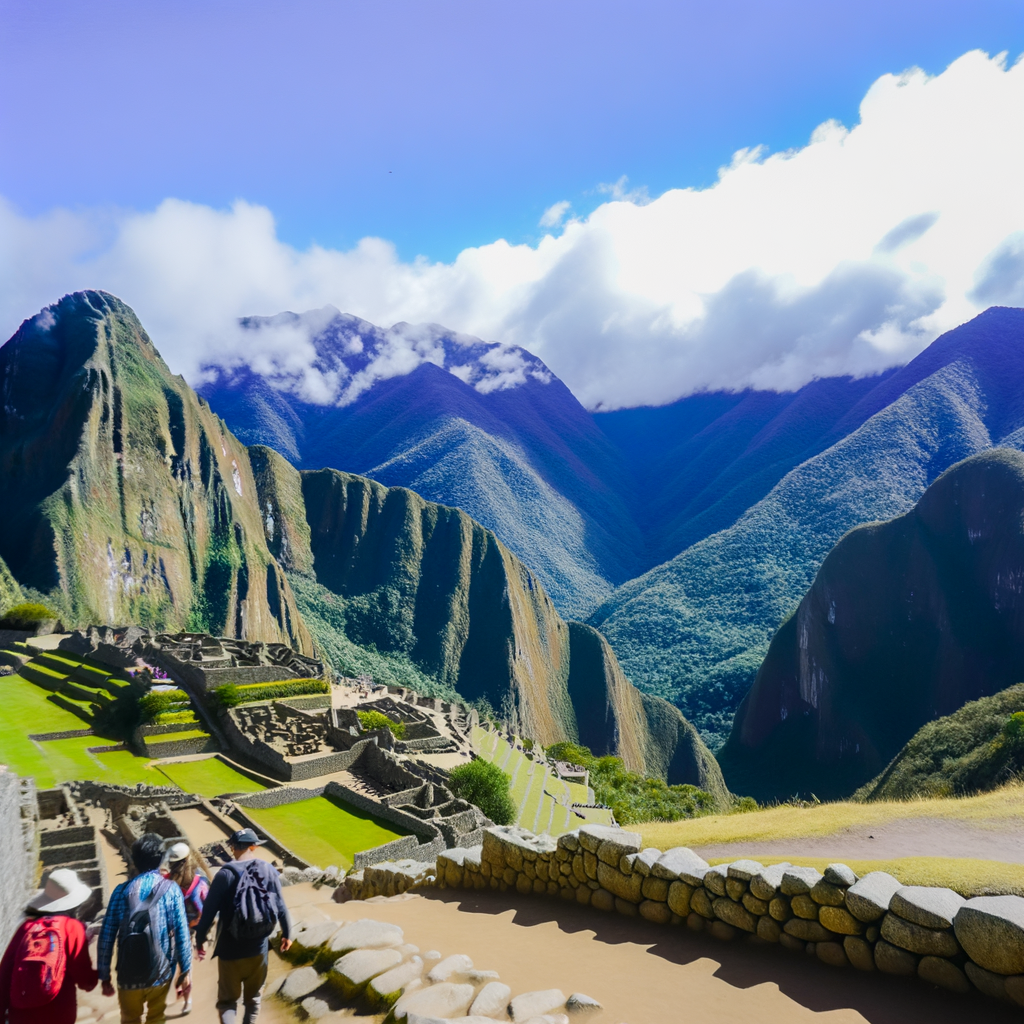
(208, 777)
(323, 831)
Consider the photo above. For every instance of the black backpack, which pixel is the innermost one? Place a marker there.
(255, 909)
(141, 962)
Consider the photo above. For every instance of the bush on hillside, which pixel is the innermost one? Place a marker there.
(230, 695)
(371, 720)
(631, 796)
(487, 786)
(26, 616)
(158, 702)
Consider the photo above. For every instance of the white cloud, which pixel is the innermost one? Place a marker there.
(844, 256)
(555, 214)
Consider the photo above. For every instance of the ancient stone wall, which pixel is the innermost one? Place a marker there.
(19, 849)
(872, 923)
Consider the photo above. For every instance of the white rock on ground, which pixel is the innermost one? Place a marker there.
(549, 1018)
(397, 979)
(492, 1000)
(535, 1004)
(431, 954)
(868, 899)
(457, 963)
(445, 1000)
(355, 969)
(417, 1018)
(680, 862)
(578, 1002)
(315, 1008)
(300, 983)
(366, 934)
(926, 905)
(311, 934)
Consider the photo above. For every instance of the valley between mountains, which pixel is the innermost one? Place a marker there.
(658, 583)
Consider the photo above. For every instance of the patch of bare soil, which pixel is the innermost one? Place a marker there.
(914, 837)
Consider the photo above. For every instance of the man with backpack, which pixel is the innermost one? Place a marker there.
(48, 957)
(246, 894)
(146, 919)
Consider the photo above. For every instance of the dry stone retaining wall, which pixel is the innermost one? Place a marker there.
(872, 923)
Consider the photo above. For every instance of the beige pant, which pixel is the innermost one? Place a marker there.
(134, 1000)
(244, 978)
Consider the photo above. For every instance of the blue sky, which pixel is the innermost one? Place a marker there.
(437, 125)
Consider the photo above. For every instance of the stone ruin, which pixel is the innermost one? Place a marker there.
(289, 731)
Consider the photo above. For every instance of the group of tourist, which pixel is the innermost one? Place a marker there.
(152, 920)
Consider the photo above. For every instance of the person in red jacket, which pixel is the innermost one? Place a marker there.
(48, 957)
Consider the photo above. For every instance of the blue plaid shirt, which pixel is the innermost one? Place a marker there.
(170, 919)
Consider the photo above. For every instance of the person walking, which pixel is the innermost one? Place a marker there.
(47, 959)
(185, 868)
(246, 898)
(146, 920)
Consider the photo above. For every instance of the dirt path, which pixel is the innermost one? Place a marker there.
(914, 837)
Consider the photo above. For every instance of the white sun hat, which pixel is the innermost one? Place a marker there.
(179, 851)
(64, 890)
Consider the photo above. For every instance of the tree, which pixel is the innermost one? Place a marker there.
(487, 786)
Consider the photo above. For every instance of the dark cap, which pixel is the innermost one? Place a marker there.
(246, 837)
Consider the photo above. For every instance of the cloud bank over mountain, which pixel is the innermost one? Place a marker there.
(845, 256)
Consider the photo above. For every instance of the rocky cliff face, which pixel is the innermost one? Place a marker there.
(906, 621)
(126, 498)
(649, 734)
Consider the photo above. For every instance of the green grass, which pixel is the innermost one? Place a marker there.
(173, 737)
(324, 832)
(209, 777)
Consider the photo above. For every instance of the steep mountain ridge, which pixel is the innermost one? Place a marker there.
(696, 629)
(906, 621)
(129, 501)
(126, 498)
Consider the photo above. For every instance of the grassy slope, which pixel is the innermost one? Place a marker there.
(961, 753)
(696, 629)
(208, 777)
(323, 832)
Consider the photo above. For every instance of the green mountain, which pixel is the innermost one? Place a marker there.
(973, 750)
(906, 621)
(695, 629)
(125, 498)
(128, 501)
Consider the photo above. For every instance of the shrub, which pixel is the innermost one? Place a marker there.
(158, 702)
(26, 616)
(370, 720)
(175, 717)
(232, 694)
(487, 786)
(1014, 728)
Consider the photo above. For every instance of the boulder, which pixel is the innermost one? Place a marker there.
(534, 1004)
(617, 842)
(768, 929)
(458, 963)
(714, 879)
(803, 906)
(625, 907)
(832, 953)
(990, 984)
(780, 909)
(792, 943)
(840, 874)
(722, 931)
(655, 911)
(626, 887)
(991, 930)
(825, 894)
(387, 988)
(734, 914)
(893, 960)
(757, 907)
(744, 870)
(445, 1000)
(735, 889)
(680, 863)
(937, 970)
(310, 936)
(926, 905)
(578, 1002)
(798, 881)
(700, 901)
(765, 884)
(300, 983)
(840, 920)
(644, 861)
(492, 1000)
(365, 934)
(1015, 988)
(655, 888)
(807, 931)
(859, 953)
(351, 972)
(601, 899)
(679, 896)
(868, 898)
(916, 939)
